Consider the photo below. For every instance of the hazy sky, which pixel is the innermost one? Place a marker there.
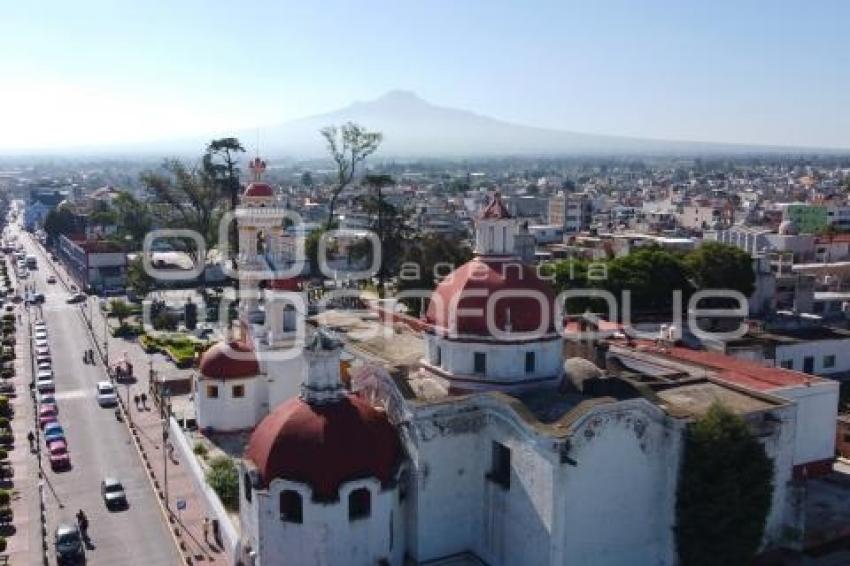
(93, 72)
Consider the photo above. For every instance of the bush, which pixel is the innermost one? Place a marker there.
(223, 477)
(2, 544)
(127, 331)
(5, 497)
(200, 449)
(4, 423)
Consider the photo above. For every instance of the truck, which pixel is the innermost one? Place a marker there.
(32, 262)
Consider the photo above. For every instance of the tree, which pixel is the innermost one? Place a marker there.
(120, 310)
(719, 266)
(725, 491)
(307, 179)
(348, 146)
(651, 274)
(58, 222)
(419, 264)
(389, 224)
(133, 218)
(138, 278)
(191, 200)
(223, 477)
(220, 166)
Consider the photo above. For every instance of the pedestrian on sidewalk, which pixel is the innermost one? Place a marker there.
(206, 530)
(144, 401)
(31, 438)
(136, 401)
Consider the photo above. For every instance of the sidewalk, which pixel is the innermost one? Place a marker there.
(187, 524)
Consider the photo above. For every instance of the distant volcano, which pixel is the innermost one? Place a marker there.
(413, 127)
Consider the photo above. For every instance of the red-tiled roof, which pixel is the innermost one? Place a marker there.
(259, 189)
(740, 372)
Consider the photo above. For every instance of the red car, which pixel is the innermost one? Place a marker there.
(59, 457)
(47, 414)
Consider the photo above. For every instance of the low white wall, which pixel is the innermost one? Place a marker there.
(214, 507)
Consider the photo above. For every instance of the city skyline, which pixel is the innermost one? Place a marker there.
(100, 73)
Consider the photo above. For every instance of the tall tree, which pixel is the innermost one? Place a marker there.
(133, 218)
(389, 223)
(190, 199)
(348, 146)
(724, 493)
(221, 167)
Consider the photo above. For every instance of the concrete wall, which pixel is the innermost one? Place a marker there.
(818, 349)
(817, 411)
(228, 413)
(326, 536)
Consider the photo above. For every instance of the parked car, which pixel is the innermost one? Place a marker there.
(47, 398)
(68, 542)
(42, 358)
(45, 386)
(47, 414)
(44, 366)
(41, 343)
(41, 333)
(53, 431)
(42, 351)
(113, 493)
(51, 279)
(106, 395)
(59, 457)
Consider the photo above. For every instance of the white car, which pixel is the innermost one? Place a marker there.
(41, 334)
(106, 396)
(45, 386)
(39, 324)
(44, 374)
(41, 359)
(42, 351)
(44, 366)
(41, 343)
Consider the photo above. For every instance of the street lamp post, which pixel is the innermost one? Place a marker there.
(105, 340)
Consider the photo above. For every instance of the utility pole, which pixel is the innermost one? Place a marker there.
(105, 340)
(165, 411)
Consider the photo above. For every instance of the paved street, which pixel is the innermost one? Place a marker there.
(99, 446)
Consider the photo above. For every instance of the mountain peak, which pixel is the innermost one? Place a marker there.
(400, 96)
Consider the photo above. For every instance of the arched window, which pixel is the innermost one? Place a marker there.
(359, 504)
(291, 510)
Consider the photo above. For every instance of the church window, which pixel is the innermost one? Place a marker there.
(529, 362)
(291, 509)
(359, 504)
(238, 391)
(500, 465)
(479, 362)
(212, 391)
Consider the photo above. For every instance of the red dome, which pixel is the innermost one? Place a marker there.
(258, 189)
(285, 284)
(527, 314)
(219, 363)
(325, 445)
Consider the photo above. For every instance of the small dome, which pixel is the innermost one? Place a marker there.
(526, 313)
(228, 361)
(788, 228)
(325, 445)
(259, 189)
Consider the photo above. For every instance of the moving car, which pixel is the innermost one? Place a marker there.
(106, 396)
(47, 414)
(113, 493)
(76, 298)
(53, 432)
(68, 542)
(58, 453)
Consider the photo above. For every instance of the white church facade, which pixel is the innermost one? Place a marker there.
(492, 450)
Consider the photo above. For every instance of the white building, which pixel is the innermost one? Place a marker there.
(491, 449)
